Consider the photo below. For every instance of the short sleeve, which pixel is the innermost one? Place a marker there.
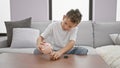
(48, 31)
(73, 35)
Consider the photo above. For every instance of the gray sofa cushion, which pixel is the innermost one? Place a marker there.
(24, 38)
(85, 34)
(91, 51)
(16, 24)
(17, 50)
(102, 31)
(40, 25)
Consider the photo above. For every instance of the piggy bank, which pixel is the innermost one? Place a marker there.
(46, 48)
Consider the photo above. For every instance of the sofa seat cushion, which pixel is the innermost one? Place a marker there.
(91, 50)
(17, 50)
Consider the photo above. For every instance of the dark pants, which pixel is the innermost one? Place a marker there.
(75, 50)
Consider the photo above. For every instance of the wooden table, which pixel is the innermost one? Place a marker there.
(10, 60)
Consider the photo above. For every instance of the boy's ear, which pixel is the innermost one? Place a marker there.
(75, 25)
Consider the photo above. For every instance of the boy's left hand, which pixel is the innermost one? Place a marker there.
(56, 55)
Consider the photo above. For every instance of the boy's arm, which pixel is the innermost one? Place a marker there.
(69, 46)
(71, 43)
(45, 34)
(40, 42)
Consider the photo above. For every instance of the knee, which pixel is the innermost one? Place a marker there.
(36, 52)
(81, 51)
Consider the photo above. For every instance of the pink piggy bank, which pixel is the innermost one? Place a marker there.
(46, 48)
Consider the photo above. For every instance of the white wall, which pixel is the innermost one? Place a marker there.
(118, 11)
(37, 9)
(4, 14)
(104, 10)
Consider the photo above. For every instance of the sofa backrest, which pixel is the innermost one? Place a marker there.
(102, 31)
(85, 34)
(94, 35)
(85, 31)
(40, 25)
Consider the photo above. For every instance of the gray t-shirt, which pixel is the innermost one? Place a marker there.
(59, 37)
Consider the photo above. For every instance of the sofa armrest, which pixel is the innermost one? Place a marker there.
(3, 41)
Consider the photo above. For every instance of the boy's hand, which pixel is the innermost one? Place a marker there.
(55, 55)
(40, 46)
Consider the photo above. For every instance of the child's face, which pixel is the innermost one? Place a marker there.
(67, 24)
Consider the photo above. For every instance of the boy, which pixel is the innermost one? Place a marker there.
(64, 36)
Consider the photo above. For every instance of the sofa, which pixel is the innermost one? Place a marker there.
(90, 35)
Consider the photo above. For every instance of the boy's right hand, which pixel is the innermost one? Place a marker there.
(40, 46)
